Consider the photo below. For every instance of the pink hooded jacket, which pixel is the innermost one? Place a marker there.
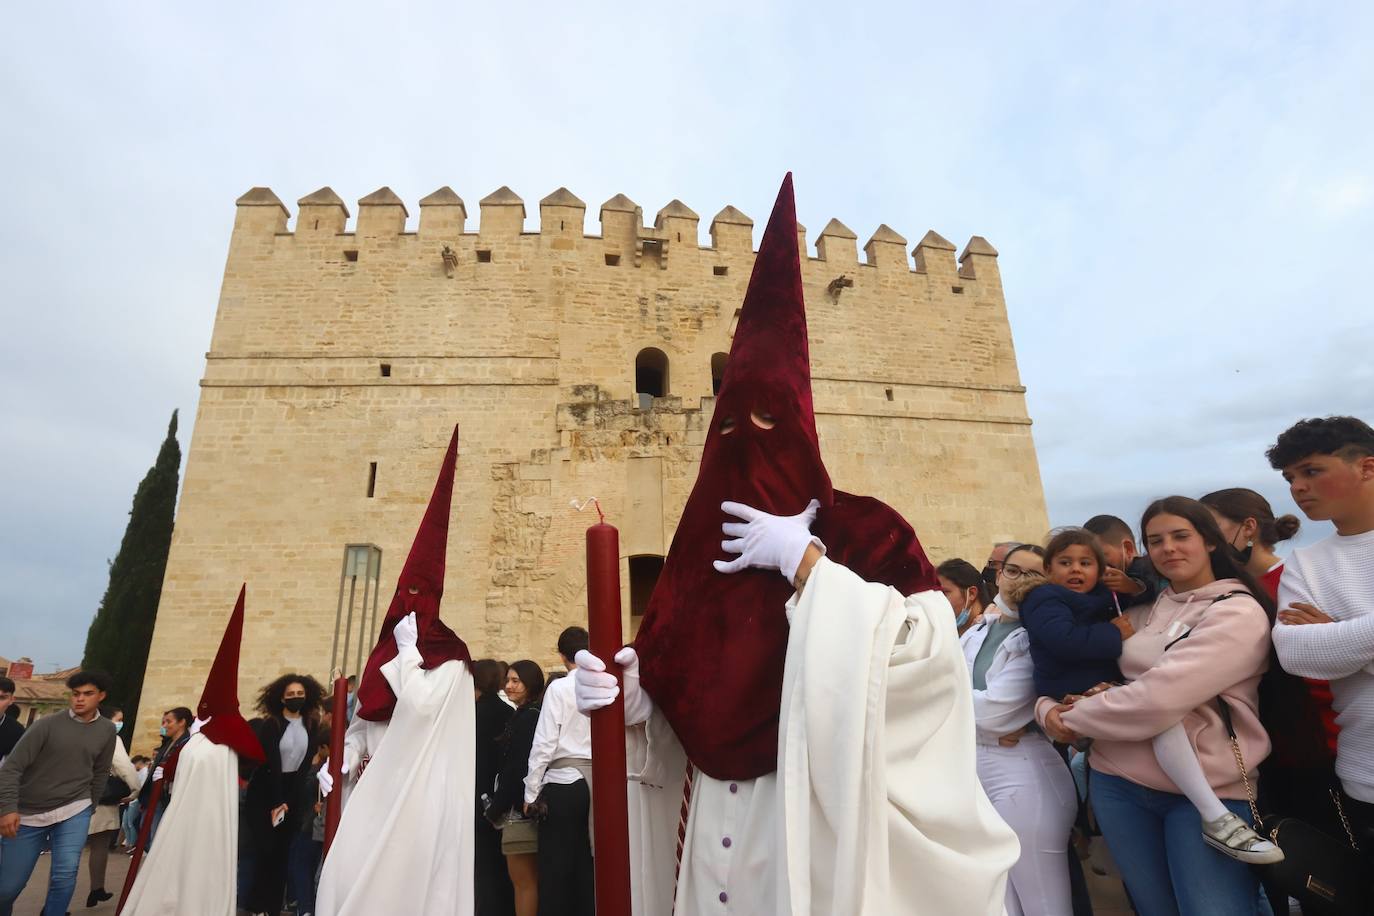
(1225, 652)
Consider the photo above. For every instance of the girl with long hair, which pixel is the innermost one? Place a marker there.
(289, 729)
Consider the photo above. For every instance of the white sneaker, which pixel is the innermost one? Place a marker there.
(1232, 837)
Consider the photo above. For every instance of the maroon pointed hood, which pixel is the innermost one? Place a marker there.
(730, 631)
(219, 701)
(419, 588)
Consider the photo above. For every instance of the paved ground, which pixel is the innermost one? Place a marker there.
(30, 902)
(1108, 900)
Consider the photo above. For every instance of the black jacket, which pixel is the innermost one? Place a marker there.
(515, 741)
(493, 713)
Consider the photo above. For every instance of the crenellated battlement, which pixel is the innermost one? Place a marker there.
(562, 224)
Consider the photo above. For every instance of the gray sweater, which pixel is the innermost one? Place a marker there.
(58, 761)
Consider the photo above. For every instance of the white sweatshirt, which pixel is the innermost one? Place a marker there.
(1336, 576)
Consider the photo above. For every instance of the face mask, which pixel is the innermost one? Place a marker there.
(162, 731)
(961, 619)
(295, 704)
(1004, 609)
(118, 726)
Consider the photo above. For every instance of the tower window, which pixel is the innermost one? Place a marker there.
(888, 392)
(644, 573)
(651, 372)
(386, 370)
(720, 270)
(483, 256)
(717, 371)
(957, 290)
(371, 479)
(612, 260)
(351, 256)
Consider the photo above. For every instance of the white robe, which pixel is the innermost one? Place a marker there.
(190, 868)
(404, 844)
(360, 742)
(875, 806)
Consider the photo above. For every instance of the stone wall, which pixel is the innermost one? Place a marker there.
(334, 350)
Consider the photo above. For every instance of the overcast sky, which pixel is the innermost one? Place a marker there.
(1182, 195)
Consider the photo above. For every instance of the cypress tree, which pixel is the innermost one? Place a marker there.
(118, 640)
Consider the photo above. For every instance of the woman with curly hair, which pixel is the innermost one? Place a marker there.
(289, 728)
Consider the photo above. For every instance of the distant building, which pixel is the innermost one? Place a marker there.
(35, 695)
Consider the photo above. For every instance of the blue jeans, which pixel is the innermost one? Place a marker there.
(1156, 839)
(302, 862)
(18, 856)
(129, 823)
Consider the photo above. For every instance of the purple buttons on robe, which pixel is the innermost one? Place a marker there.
(724, 897)
(734, 788)
(725, 842)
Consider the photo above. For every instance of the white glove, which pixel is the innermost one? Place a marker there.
(407, 632)
(157, 774)
(767, 541)
(350, 760)
(595, 688)
(326, 782)
(197, 725)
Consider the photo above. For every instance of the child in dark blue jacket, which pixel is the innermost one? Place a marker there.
(1074, 627)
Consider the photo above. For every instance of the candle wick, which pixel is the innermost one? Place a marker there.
(589, 501)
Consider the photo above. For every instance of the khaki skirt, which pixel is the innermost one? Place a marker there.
(520, 837)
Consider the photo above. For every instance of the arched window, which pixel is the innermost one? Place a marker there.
(651, 372)
(644, 571)
(717, 371)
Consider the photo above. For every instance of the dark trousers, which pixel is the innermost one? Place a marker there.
(565, 852)
(301, 864)
(492, 891)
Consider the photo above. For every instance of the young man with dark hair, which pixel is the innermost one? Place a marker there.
(10, 729)
(1325, 625)
(1129, 573)
(559, 778)
(49, 786)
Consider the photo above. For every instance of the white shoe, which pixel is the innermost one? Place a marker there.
(1232, 837)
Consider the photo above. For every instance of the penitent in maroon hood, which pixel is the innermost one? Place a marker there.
(419, 588)
(712, 645)
(219, 701)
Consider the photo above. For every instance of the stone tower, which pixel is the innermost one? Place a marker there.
(577, 365)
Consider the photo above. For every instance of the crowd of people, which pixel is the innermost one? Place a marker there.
(1181, 699)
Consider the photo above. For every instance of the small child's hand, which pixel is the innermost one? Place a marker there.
(1123, 623)
(1119, 582)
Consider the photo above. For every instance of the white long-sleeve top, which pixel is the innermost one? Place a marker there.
(1336, 576)
(1008, 703)
(562, 732)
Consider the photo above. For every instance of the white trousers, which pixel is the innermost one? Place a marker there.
(1031, 788)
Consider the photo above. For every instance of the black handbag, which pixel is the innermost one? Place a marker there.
(116, 790)
(1327, 876)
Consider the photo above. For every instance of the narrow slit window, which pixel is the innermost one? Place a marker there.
(351, 256)
(612, 260)
(483, 256)
(371, 479)
(888, 392)
(957, 290)
(386, 371)
(720, 270)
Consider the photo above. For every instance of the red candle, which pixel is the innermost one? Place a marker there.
(610, 808)
(333, 806)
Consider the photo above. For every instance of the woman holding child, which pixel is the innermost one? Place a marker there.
(1022, 774)
(1165, 786)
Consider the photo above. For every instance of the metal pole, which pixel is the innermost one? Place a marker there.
(338, 615)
